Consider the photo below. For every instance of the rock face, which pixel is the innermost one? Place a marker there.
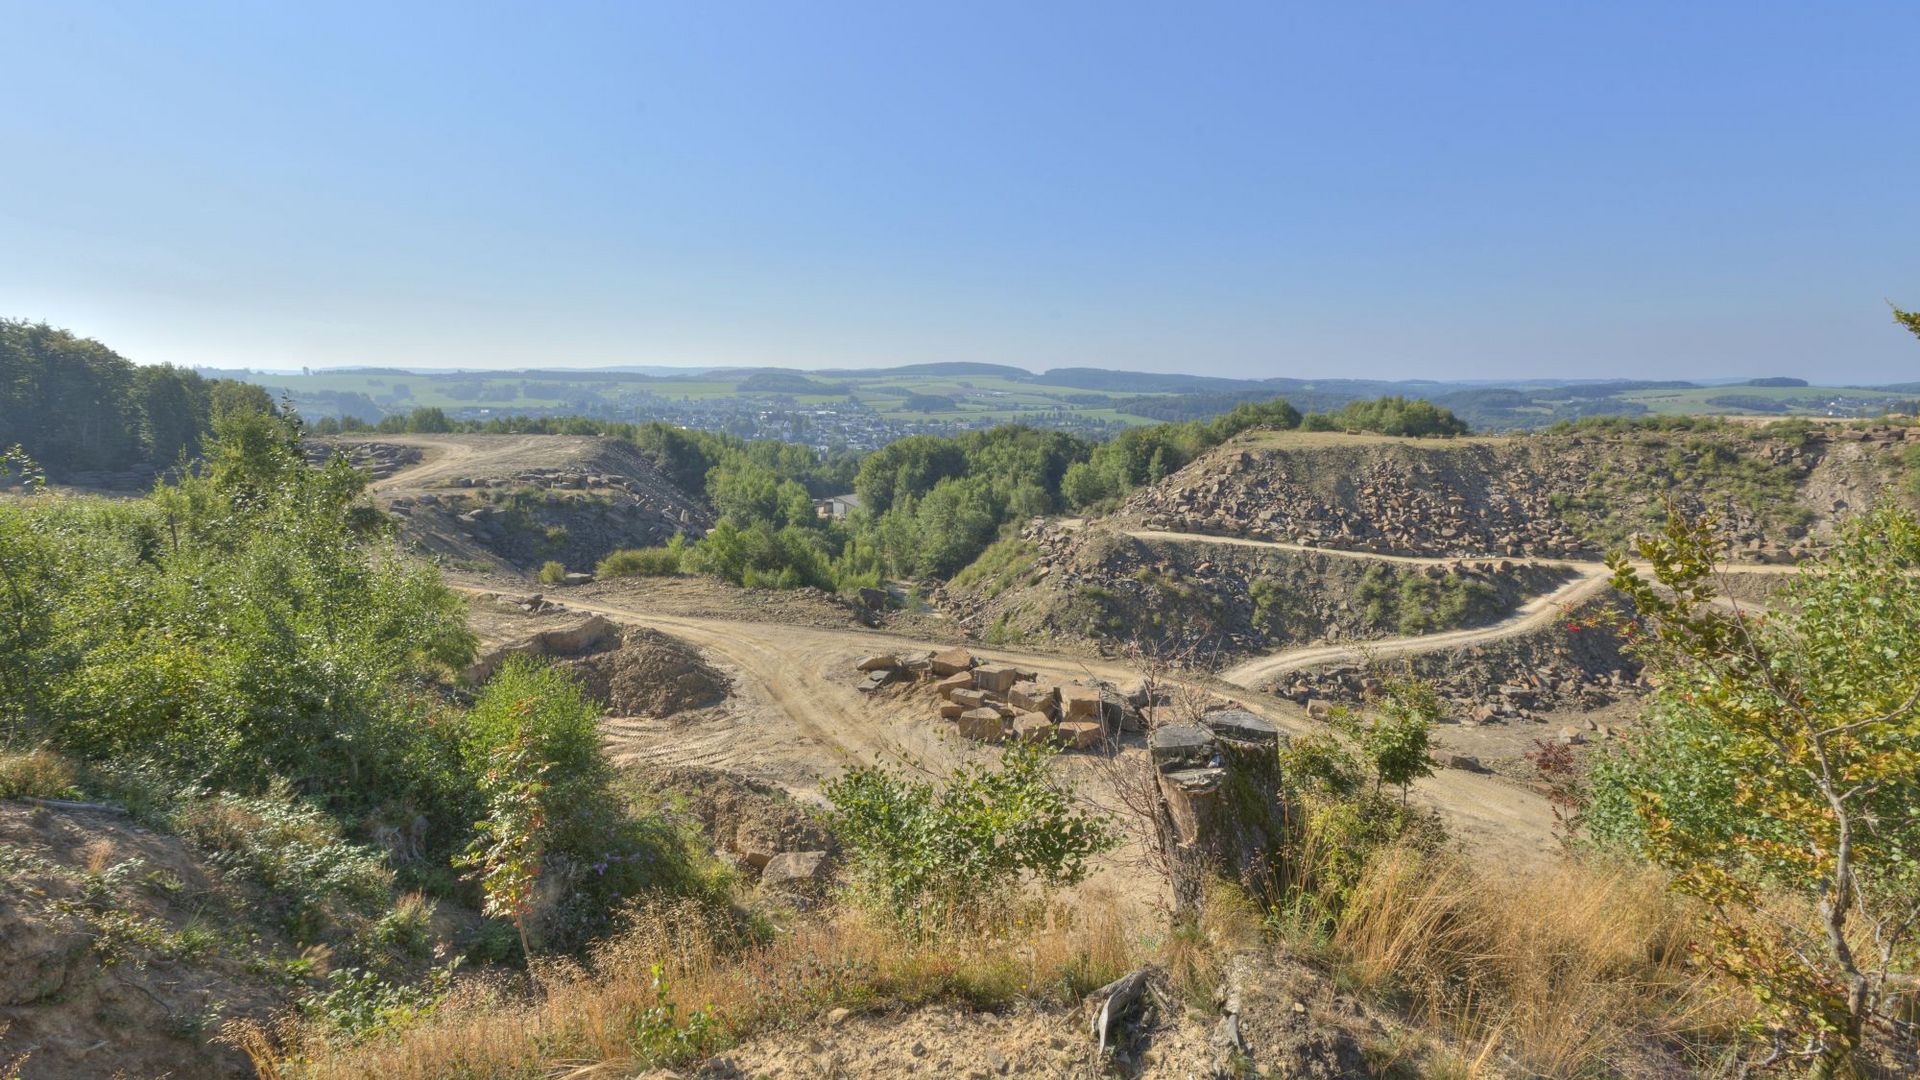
(1433, 498)
(1500, 512)
(596, 496)
(1579, 662)
(1222, 601)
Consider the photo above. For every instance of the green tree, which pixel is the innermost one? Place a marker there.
(1908, 319)
(1397, 735)
(1780, 771)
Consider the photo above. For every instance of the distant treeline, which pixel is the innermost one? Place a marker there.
(76, 406)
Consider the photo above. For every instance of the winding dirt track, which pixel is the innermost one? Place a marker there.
(1533, 615)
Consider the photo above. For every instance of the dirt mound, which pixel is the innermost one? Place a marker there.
(741, 817)
(650, 674)
(106, 961)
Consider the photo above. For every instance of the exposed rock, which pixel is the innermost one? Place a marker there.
(794, 869)
(983, 725)
(952, 661)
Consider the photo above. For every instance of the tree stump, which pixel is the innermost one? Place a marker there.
(1221, 812)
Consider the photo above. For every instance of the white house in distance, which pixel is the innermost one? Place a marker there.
(836, 506)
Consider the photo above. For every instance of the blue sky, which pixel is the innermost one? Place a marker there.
(1458, 190)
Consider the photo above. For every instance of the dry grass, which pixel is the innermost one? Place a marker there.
(1575, 970)
(607, 1018)
(35, 774)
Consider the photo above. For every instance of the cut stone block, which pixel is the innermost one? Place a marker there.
(983, 725)
(1033, 697)
(945, 687)
(972, 699)
(951, 662)
(1081, 734)
(998, 678)
(1080, 703)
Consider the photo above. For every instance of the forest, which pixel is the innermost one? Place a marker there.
(76, 406)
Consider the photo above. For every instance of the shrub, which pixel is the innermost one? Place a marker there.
(640, 562)
(532, 741)
(956, 852)
(35, 774)
(552, 573)
(296, 852)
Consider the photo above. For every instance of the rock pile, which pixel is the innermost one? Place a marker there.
(989, 702)
(1397, 500)
(380, 460)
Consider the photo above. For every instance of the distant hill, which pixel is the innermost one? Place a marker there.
(938, 369)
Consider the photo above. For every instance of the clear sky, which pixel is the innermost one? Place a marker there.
(1443, 190)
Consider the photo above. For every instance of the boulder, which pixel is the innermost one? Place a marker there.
(1319, 709)
(1081, 734)
(577, 578)
(1238, 727)
(1462, 761)
(951, 662)
(1080, 702)
(951, 710)
(947, 686)
(1033, 697)
(983, 725)
(877, 679)
(879, 662)
(795, 869)
(998, 678)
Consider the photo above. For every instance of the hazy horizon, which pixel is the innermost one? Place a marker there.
(1394, 192)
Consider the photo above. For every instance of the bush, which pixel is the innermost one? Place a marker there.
(640, 562)
(592, 854)
(249, 623)
(953, 854)
(552, 573)
(327, 883)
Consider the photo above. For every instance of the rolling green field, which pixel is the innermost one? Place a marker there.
(865, 407)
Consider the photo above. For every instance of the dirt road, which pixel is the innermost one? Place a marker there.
(446, 456)
(799, 720)
(1535, 614)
